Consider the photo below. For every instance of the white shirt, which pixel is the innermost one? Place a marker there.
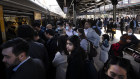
(86, 31)
(69, 33)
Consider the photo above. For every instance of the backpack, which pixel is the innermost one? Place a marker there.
(97, 31)
(115, 50)
(90, 70)
(91, 50)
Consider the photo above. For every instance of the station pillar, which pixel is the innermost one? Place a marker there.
(114, 3)
(2, 27)
(114, 12)
(74, 15)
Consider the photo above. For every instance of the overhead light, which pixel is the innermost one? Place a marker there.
(98, 0)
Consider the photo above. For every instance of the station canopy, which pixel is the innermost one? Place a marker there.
(82, 6)
(93, 6)
(51, 5)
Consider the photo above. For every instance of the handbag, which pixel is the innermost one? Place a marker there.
(91, 50)
(114, 30)
(90, 70)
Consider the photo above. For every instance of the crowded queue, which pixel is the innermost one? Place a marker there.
(66, 51)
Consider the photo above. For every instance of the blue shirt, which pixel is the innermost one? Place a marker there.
(134, 24)
(16, 68)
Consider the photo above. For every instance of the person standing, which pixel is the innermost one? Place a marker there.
(36, 50)
(91, 34)
(60, 59)
(69, 30)
(105, 46)
(75, 69)
(37, 26)
(51, 46)
(117, 68)
(122, 26)
(133, 25)
(113, 27)
(105, 24)
(18, 62)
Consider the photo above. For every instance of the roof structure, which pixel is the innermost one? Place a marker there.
(82, 6)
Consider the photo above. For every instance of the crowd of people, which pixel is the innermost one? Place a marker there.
(66, 51)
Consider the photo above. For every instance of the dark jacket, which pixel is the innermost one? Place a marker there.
(110, 27)
(75, 69)
(132, 24)
(41, 41)
(38, 50)
(51, 46)
(2, 67)
(122, 25)
(31, 69)
(41, 34)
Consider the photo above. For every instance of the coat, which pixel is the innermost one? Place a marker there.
(84, 44)
(122, 25)
(93, 37)
(75, 69)
(2, 67)
(31, 69)
(60, 62)
(104, 53)
(51, 46)
(132, 24)
(38, 50)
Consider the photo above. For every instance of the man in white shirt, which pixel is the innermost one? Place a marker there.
(69, 30)
(91, 34)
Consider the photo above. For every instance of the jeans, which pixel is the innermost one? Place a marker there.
(133, 30)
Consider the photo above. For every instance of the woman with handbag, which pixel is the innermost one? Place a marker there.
(111, 28)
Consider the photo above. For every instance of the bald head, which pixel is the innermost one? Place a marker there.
(49, 26)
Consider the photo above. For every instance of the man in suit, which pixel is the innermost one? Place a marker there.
(51, 46)
(19, 64)
(2, 68)
(36, 50)
(91, 34)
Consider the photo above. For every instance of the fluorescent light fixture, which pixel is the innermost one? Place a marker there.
(51, 5)
(98, 0)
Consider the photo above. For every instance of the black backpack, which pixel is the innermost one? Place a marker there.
(90, 70)
(97, 31)
(91, 50)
